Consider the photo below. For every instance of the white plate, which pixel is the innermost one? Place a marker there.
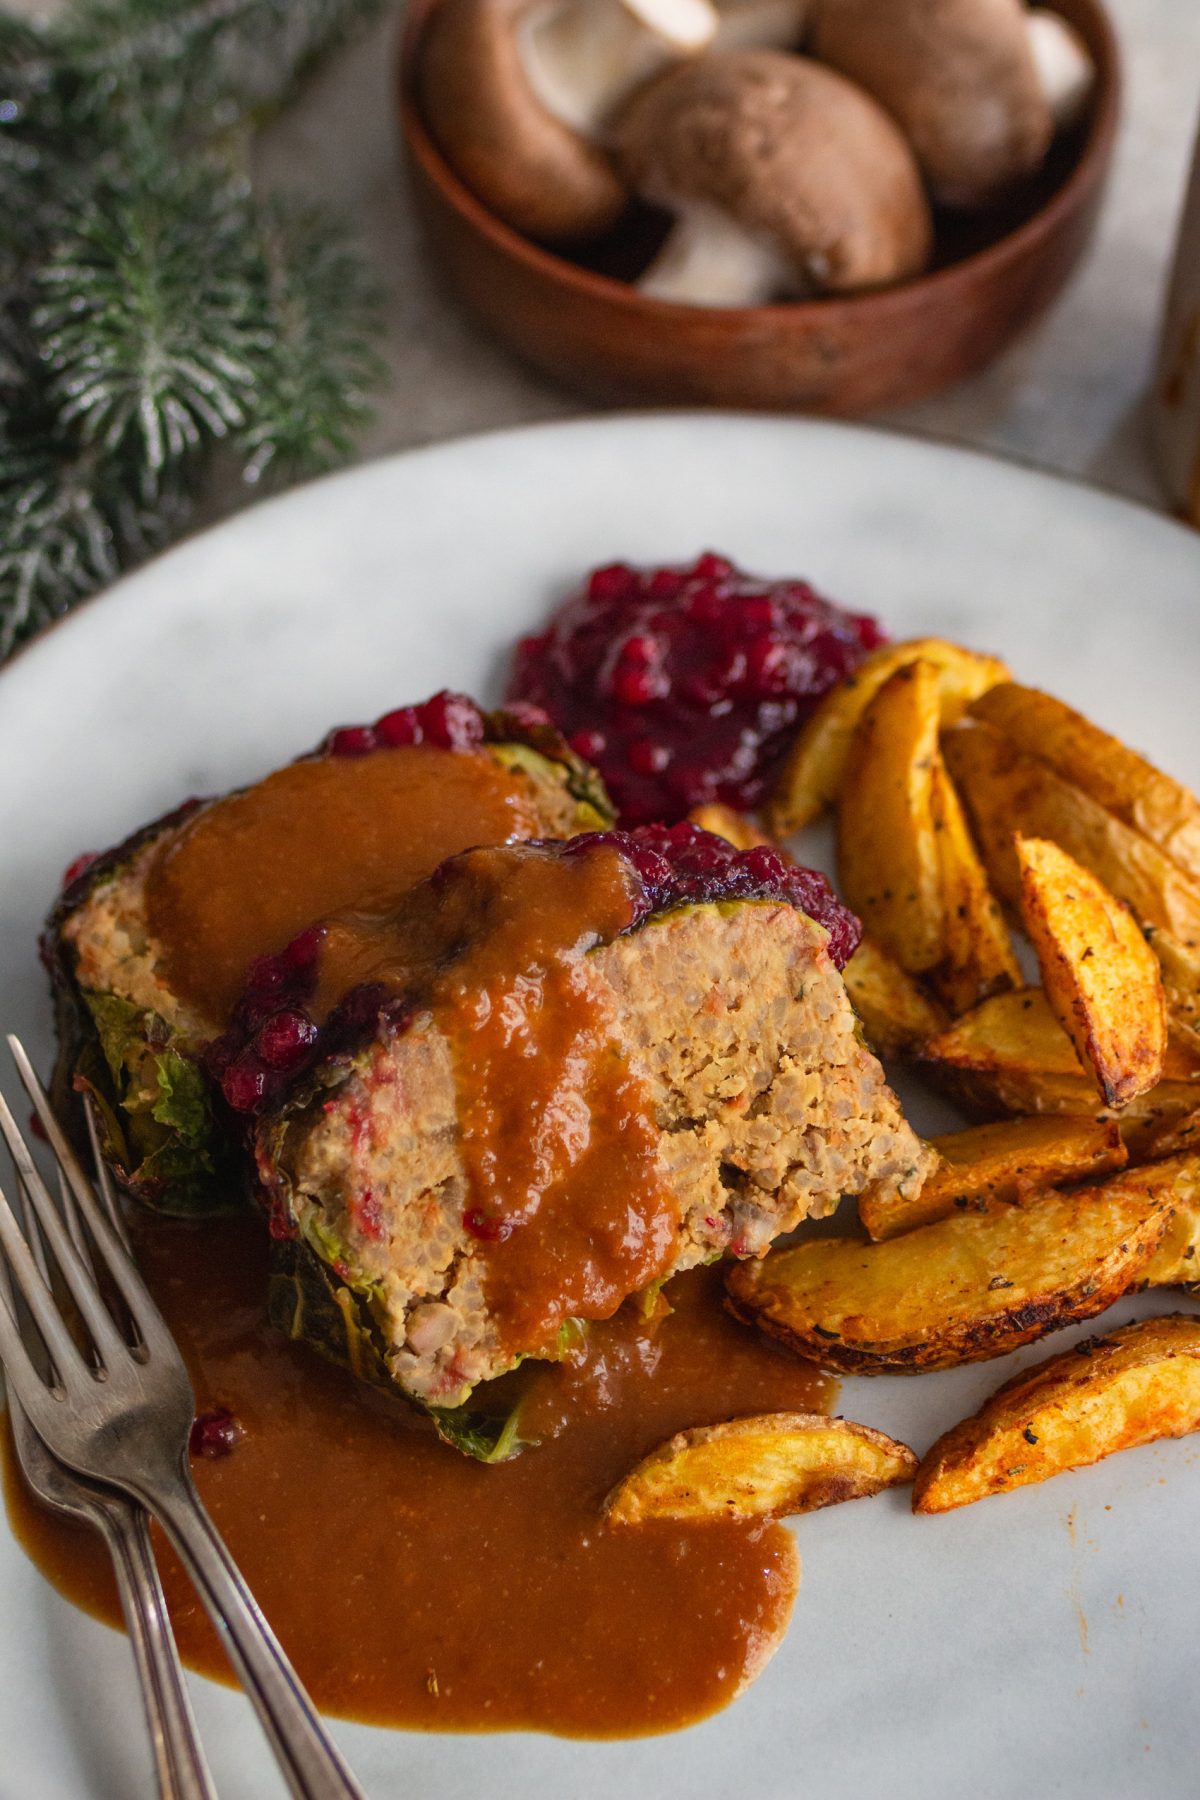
(1042, 1644)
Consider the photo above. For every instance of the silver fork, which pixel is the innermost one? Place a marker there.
(179, 1765)
(124, 1419)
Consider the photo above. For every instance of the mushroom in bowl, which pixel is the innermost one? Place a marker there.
(979, 87)
(517, 94)
(783, 178)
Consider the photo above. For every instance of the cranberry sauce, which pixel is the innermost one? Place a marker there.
(274, 1035)
(684, 685)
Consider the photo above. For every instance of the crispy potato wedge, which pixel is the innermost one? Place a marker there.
(1181, 984)
(978, 957)
(1006, 791)
(1109, 1393)
(1173, 1136)
(812, 774)
(1100, 976)
(887, 842)
(1017, 1031)
(1009, 1160)
(1123, 782)
(1011, 1055)
(968, 1288)
(897, 1014)
(768, 1467)
(737, 828)
(1176, 1262)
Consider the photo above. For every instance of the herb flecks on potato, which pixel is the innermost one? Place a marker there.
(968, 1288)
(1010, 1055)
(1106, 1394)
(1010, 1160)
(1101, 977)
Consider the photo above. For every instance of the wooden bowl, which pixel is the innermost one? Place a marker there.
(581, 323)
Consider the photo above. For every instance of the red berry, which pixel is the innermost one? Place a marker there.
(244, 1083)
(711, 567)
(283, 1041)
(608, 584)
(351, 740)
(646, 757)
(214, 1433)
(452, 722)
(398, 729)
(300, 955)
(79, 867)
(637, 687)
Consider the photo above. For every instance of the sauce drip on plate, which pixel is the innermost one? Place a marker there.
(413, 1587)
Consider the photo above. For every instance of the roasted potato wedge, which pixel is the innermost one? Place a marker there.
(897, 1014)
(767, 1467)
(737, 828)
(1181, 985)
(1009, 1160)
(812, 775)
(970, 1287)
(1099, 974)
(1011, 1055)
(1006, 792)
(1173, 1136)
(1123, 782)
(978, 957)
(1176, 1262)
(887, 841)
(1109, 1393)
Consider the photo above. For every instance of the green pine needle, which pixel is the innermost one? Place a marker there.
(66, 532)
(145, 320)
(319, 362)
(243, 55)
(153, 311)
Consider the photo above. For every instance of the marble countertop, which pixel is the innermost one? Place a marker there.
(1069, 395)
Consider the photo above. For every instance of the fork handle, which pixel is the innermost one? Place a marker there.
(179, 1762)
(307, 1756)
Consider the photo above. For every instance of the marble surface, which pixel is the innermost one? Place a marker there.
(1067, 396)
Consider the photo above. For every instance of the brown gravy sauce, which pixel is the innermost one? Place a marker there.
(415, 1588)
(248, 872)
(568, 1208)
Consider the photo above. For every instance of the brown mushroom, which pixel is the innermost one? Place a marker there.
(977, 85)
(784, 179)
(516, 94)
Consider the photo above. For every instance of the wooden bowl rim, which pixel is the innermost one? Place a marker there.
(987, 262)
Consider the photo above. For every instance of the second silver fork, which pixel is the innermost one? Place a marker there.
(180, 1768)
(123, 1419)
